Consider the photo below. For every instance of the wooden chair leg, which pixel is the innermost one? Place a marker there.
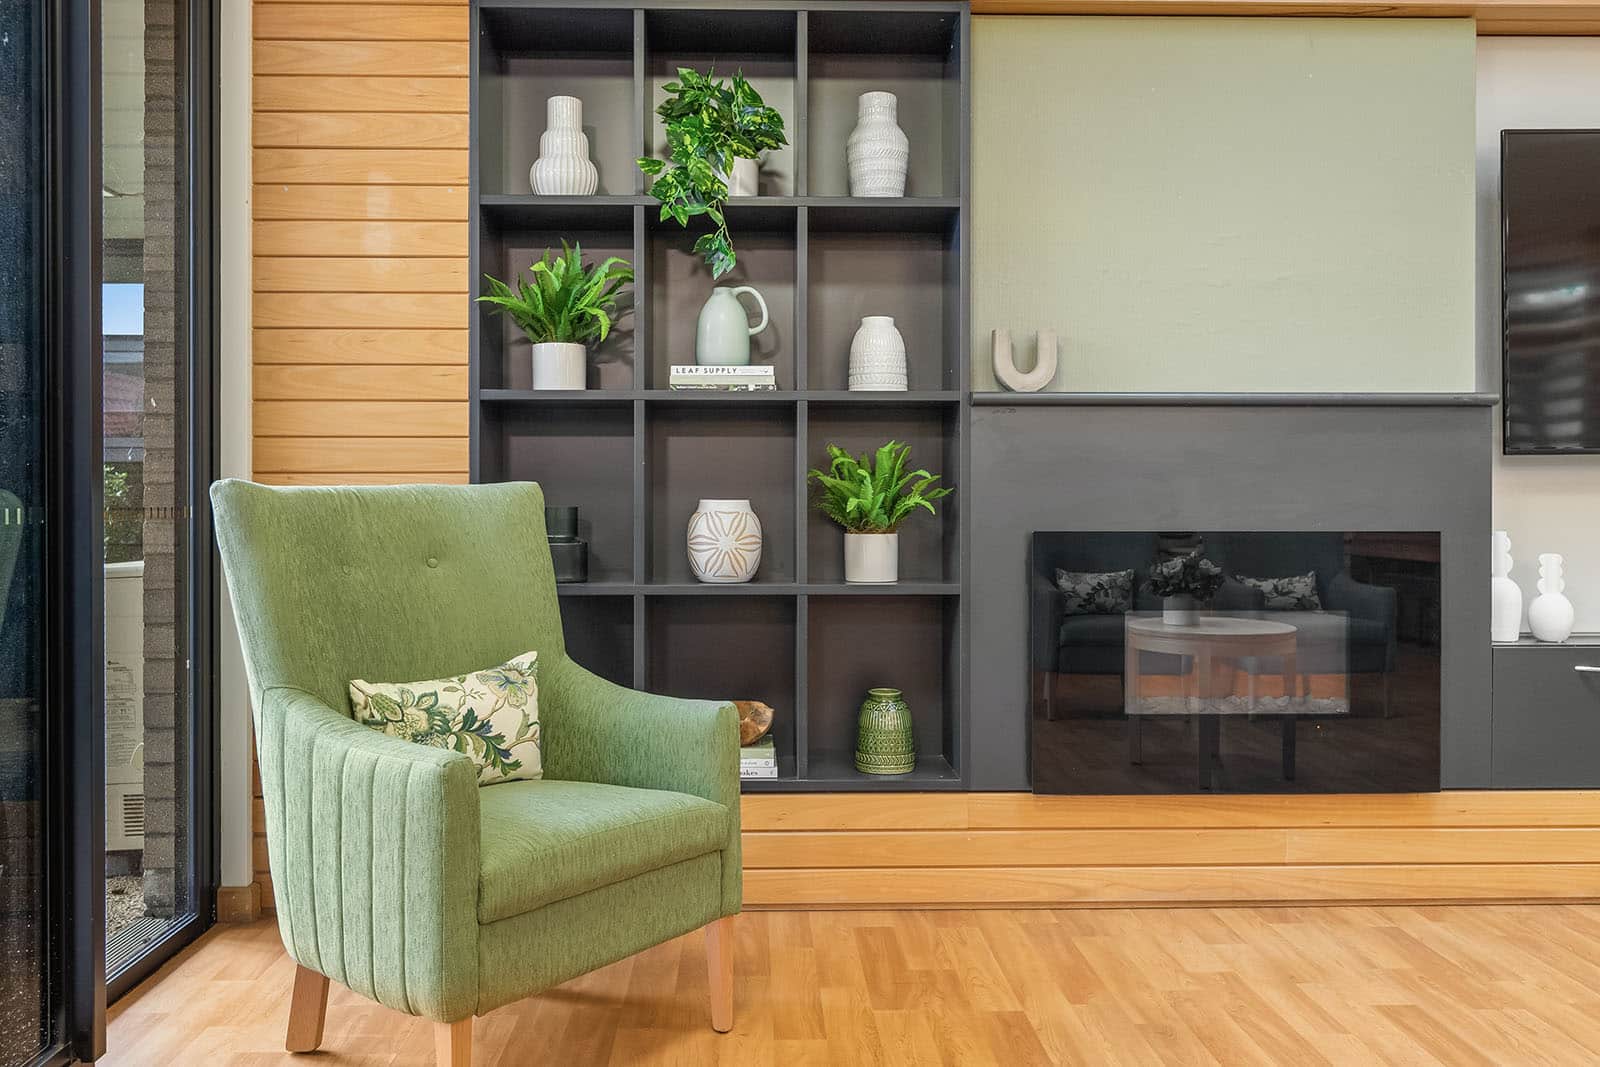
(719, 968)
(452, 1043)
(308, 1008)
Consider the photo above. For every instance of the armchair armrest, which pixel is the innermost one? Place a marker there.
(598, 731)
(373, 846)
(1374, 603)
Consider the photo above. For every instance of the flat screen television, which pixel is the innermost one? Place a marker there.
(1550, 286)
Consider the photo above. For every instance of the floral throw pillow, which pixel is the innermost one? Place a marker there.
(491, 715)
(1298, 592)
(1086, 593)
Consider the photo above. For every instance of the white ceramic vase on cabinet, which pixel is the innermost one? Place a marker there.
(563, 167)
(877, 356)
(877, 150)
(1505, 612)
(1550, 616)
(724, 542)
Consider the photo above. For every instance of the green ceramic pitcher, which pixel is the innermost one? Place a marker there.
(885, 740)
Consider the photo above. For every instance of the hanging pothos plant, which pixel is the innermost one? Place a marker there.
(710, 122)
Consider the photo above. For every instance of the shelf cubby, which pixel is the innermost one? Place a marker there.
(509, 243)
(905, 274)
(760, 43)
(726, 648)
(859, 643)
(928, 543)
(913, 54)
(525, 55)
(579, 453)
(719, 452)
(636, 457)
(599, 634)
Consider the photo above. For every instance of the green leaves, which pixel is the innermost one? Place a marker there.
(709, 124)
(565, 301)
(874, 494)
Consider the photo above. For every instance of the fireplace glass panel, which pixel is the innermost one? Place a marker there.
(1238, 662)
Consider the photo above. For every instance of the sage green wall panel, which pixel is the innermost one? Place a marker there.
(1217, 204)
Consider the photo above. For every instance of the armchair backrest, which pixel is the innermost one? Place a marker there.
(390, 583)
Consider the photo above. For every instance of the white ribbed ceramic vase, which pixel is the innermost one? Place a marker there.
(724, 542)
(877, 149)
(877, 355)
(563, 167)
(1505, 597)
(1550, 616)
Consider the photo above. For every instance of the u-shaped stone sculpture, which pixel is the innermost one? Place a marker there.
(1044, 365)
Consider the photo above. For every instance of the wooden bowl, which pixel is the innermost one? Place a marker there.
(755, 719)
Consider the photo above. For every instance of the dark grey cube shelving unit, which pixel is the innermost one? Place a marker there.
(635, 456)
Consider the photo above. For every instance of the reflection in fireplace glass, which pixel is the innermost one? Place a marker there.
(1239, 662)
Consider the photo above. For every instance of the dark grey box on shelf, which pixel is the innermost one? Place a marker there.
(635, 457)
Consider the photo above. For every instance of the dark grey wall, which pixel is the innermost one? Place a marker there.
(1344, 466)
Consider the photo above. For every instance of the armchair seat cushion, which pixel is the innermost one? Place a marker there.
(544, 841)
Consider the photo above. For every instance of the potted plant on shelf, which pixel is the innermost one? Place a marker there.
(1183, 583)
(711, 124)
(565, 306)
(870, 497)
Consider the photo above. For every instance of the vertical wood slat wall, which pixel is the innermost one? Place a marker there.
(359, 245)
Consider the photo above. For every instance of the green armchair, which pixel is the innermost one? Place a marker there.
(395, 873)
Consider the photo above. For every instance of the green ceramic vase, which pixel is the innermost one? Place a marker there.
(885, 741)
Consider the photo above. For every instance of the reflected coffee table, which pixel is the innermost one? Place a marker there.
(1213, 638)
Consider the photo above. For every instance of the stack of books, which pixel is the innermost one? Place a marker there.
(750, 379)
(759, 760)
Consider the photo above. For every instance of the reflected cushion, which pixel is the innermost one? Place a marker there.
(1092, 593)
(1297, 592)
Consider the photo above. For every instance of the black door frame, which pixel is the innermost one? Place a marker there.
(73, 773)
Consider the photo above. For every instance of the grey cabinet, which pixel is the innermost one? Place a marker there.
(1547, 716)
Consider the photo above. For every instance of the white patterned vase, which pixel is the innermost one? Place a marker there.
(877, 150)
(1505, 597)
(724, 542)
(1550, 616)
(563, 167)
(877, 355)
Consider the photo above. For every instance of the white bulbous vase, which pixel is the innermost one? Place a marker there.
(1550, 616)
(1505, 614)
(877, 356)
(563, 167)
(878, 151)
(724, 542)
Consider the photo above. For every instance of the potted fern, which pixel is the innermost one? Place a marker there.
(711, 125)
(870, 497)
(566, 305)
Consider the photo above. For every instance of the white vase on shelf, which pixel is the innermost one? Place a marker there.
(563, 167)
(560, 365)
(724, 542)
(877, 151)
(1550, 616)
(877, 356)
(745, 179)
(1505, 614)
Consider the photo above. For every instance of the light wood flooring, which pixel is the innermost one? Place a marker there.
(1486, 984)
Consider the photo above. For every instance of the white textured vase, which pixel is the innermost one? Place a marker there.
(560, 365)
(563, 167)
(1550, 615)
(877, 355)
(871, 559)
(724, 542)
(877, 150)
(1505, 596)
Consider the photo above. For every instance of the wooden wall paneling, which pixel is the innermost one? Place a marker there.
(358, 129)
(361, 203)
(359, 346)
(364, 274)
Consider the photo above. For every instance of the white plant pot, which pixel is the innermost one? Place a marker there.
(745, 179)
(877, 151)
(1180, 611)
(724, 542)
(559, 365)
(871, 559)
(563, 167)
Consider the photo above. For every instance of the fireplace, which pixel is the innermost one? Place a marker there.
(1234, 661)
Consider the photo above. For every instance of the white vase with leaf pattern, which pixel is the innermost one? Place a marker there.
(724, 542)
